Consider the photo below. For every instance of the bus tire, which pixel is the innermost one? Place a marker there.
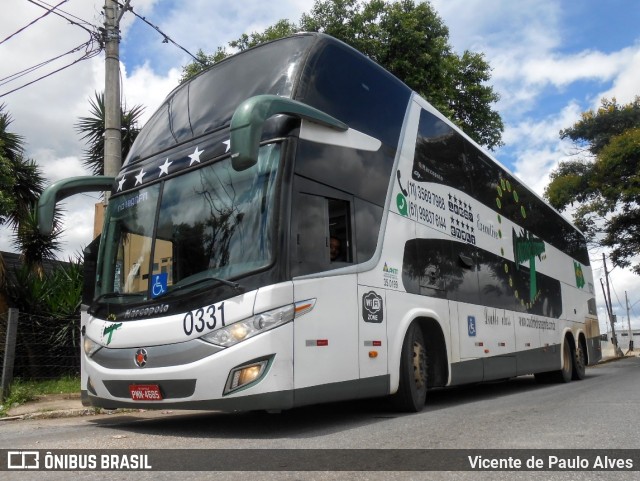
(565, 373)
(579, 359)
(412, 391)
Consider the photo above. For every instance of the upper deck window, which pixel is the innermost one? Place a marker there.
(207, 102)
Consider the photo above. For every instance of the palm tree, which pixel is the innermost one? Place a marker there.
(92, 130)
(22, 185)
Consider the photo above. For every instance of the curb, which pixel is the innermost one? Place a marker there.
(62, 413)
(613, 359)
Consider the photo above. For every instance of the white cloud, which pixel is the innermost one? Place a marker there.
(144, 87)
(626, 84)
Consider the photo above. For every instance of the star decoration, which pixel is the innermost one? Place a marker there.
(228, 144)
(164, 168)
(121, 184)
(140, 176)
(195, 157)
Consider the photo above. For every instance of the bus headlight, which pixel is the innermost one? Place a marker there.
(247, 328)
(90, 346)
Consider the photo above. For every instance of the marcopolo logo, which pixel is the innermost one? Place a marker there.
(146, 311)
(372, 307)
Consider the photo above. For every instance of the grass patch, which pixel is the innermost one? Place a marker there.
(23, 391)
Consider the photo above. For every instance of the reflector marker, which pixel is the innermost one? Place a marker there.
(479, 344)
(502, 344)
(373, 343)
(302, 307)
(317, 342)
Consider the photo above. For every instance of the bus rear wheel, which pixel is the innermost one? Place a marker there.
(412, 391)
(566, 371)
(579, 362)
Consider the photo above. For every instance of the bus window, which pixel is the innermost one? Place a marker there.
(339, 246)
(322, 234)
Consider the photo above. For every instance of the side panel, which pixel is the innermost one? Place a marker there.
(325, 338)
(512, 295)
(372, 332)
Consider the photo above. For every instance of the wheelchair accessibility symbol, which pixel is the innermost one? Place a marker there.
(158, 284)
(471, 326)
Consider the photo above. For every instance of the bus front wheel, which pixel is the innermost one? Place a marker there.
(412, 391)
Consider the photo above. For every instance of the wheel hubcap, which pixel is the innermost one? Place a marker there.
(419, 365)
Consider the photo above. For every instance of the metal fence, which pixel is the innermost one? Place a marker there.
(37, 347)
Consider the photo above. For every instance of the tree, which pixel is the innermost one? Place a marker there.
(408, 39)
(92, 130)
(606, 182)
(22, 185)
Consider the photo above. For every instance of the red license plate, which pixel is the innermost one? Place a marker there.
(145, 392)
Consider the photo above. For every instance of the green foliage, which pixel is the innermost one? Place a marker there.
(607, 185)
(203, 62)
(594, 130)
(7, 202)
(410, 40)
(12, 143)
(34, 246)
(23, 391)
(92, 129)
(21, 179)
(55, 294)
(282, 28)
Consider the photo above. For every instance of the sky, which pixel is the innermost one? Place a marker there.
(550, 59)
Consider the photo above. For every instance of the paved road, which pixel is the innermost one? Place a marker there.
(600, 413)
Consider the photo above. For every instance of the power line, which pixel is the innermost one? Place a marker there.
(32, 22)
(28, 70)
(67, 16)
(90, 50)
(167, 39)
(89, 53)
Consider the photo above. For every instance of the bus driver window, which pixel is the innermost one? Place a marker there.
(339, 231)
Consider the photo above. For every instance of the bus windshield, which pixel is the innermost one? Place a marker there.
(211, 223)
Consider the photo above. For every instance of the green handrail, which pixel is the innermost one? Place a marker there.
(66, 188)
(248, 120)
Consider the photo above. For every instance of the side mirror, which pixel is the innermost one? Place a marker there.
(249, 118)
(66, 188)
(90, 270)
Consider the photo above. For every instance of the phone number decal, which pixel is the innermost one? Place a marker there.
(210, 317)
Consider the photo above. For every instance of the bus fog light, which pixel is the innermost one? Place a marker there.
(246, 375)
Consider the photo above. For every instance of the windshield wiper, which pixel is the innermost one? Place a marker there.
(119, 295)
(236, 286)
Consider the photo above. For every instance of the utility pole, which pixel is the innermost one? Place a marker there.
(614, 339)
(626, 301)
(112, 107)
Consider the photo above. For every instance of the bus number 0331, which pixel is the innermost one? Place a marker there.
(205, 317)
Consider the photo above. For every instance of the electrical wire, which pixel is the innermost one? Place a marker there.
(167, 39)
(70, 15)
(28, 70)
(67, 17)
(89, 53)
(32, 22)
(90, 50)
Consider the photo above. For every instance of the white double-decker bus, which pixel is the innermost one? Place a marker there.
(296, 226)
